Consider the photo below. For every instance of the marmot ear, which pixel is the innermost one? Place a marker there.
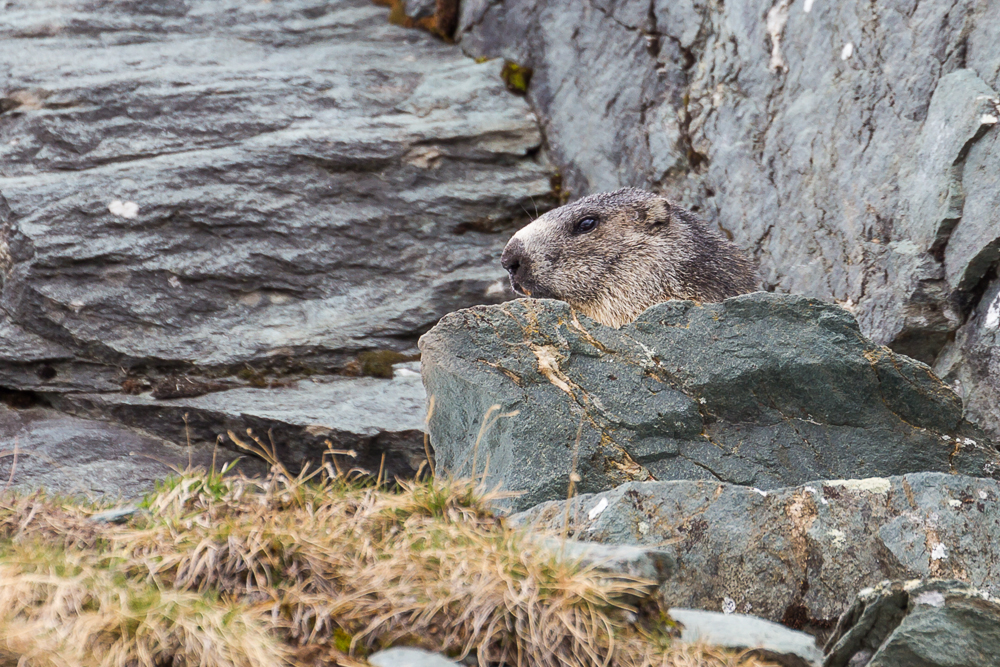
(659, 212)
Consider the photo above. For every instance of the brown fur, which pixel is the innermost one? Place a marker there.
(644, 250)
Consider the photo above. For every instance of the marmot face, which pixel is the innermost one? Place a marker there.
(614, 254)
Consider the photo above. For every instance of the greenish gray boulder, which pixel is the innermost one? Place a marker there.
(796, 555)
(931, 623)
(763, 390)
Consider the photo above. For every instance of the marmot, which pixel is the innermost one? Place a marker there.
(614, 254)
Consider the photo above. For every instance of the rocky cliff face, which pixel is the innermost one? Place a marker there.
(850, 146)
(246, 194)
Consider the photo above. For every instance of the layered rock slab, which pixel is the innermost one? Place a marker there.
(381, 421)
(797, 555)
(762, 390)
(42, 448)
(218, 183)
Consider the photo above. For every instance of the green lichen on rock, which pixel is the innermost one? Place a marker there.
(517, 77)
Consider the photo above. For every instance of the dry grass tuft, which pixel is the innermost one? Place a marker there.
(310, 570)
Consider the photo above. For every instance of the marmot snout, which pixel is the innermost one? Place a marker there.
(614, 254)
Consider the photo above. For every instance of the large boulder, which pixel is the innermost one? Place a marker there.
(763, 390)
(850, 146)
(796, 555)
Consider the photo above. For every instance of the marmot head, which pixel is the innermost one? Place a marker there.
(614, 254)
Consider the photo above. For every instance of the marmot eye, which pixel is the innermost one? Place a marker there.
(585, 225)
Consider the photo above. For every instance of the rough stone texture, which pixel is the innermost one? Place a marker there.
(67, 455)
(764, 390)
(918, 624)
(796, 555)
(409, 657)
(851, 146)
(971, 363)
(370, 416)
(772, 642)
(213, 183)
(194, 190)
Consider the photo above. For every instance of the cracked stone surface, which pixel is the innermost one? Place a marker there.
(796, 555)
(241, 193)
(763, 390)
(851, 147)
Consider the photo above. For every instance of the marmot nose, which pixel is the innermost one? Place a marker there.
(512, 256)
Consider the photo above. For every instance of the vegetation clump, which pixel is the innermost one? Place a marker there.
(316, 569)
(517, 77)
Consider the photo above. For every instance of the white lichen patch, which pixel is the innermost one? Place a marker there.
(597, 509)
(930, 599)
(496, 288)
(939, 552)
(124, 209)
(643, 528)
(837, 538)
(983, 495)
(777, 17)
(993, 314)
(871, 485)
(847, 51)
(728, 605)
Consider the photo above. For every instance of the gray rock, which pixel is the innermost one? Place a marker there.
(120, 515)
(652, 565)
(849, 146)
(762, 390)
(769, 641)
(42, 448)
(971, 363)
(795, 555)
(29, 362)
(373, 417)
(409, 657)
(931, 623)
(208, 184)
